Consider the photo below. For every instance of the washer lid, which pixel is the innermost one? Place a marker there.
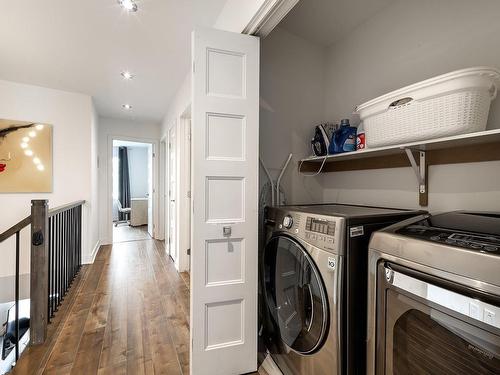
(295, 295)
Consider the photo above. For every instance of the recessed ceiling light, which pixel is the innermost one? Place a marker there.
(32, 134)
(127, 75)
(126, 106)
(129, 5)
(26, 139)
(40, 167)
(28, 152)
(36, 160)
(39, 126)
(24, 145)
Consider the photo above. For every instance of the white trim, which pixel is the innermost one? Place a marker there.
(89, 259)
(270, 367)
(162, 190)
(184, 206)
(109, 181)
(269, 15)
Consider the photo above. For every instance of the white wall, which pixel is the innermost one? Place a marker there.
(74, 122)
(291, 104)
(94, 187)
(138, 171)
(237, 14)
(405, 43)
(110, 129)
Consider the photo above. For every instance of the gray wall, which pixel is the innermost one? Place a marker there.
(292, 92)
(405, 43)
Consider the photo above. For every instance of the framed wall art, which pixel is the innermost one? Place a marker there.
(25, 157)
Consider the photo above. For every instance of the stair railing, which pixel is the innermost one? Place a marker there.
(55, 259)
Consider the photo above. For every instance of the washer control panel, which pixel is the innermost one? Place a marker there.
(321, 231)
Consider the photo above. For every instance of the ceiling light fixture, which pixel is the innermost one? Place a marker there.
(28, 152)
(32, 134)
(36, 160)
(24, 145)
(39, 126)
(26, 139)
(127, 75)
(40, 167)
(128, 5)
(127, 106)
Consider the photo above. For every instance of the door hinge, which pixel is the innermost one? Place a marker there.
(189, 194)
(188, 251)
(154, 155)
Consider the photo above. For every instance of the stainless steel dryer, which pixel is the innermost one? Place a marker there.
(434, 296)
(313, 284)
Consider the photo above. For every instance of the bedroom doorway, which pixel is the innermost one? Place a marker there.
(132, 203)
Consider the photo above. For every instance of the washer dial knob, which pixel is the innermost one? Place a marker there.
(287, 221)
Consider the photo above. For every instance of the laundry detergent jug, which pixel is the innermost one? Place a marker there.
(344, 138)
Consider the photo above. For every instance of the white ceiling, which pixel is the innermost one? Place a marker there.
(324, 22)
(82, 46)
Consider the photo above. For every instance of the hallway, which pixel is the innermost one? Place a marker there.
(129, 314)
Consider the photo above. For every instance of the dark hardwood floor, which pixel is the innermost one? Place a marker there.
(127, 313)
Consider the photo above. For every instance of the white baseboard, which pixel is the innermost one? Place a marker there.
(90, 258)
(270, 367)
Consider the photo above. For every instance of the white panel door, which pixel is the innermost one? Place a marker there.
(225, 134)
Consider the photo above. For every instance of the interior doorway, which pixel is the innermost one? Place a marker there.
(171, 196)
(132, 196)
(177, 191)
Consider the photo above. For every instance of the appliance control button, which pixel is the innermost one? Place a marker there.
(490, 248)
(287, 221)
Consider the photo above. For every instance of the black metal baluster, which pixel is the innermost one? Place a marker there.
(17, 296)
(68, 235)
(53, 276)
(49, 272)
(79, 247)
(72, 262)
(59, 257)
(65, 253)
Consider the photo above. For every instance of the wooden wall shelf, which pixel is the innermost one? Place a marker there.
(465, 148)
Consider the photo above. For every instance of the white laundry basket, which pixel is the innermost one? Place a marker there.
(450, 104)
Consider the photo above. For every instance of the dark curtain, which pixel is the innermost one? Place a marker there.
(123, 180)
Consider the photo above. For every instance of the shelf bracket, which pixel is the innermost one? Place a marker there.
(420, 170)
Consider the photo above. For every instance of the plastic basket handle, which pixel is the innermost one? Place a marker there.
(493, 91)
(400, 102)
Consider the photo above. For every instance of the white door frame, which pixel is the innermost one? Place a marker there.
(109, 182)
(161, 232)
(168, 234)
(184, 189)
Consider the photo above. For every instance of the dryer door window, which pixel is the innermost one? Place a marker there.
(295, 295)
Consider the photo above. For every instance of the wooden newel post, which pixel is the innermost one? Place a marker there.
(39, 282)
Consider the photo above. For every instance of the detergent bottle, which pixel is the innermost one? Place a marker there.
(344, 138)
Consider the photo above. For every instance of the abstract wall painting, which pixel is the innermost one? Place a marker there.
(25, 157)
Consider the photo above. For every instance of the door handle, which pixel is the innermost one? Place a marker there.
(172, 200)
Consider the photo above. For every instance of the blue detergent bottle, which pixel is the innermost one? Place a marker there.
(344, 138)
